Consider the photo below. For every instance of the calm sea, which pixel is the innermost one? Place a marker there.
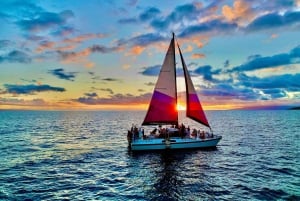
(58, 155)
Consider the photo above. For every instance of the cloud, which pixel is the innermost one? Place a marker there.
(128, 21)
(207, 27)
(149, 14)
(45, 20)
(150, 84)
(110, 91)
(241, 12)
(249, 88)
(68, 43)
(206, 71)
(63, 31)
(71, 56)
(155, 70)
(198, 56)
(142, 40)
(228, 91)
(22, 102)
(16, 56)
(84, 37)
(110, 79)
(5, 43)
(274, 93)
(274, 20)
(286, 81)
(258, 62)
(31, 88)
(226, 63)
(61, 74)
(91, 94)
(151, 70)
(178, 15)
(120, 99)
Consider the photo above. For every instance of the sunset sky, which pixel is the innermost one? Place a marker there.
(98, 54)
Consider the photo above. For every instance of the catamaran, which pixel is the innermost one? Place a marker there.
(163, 111)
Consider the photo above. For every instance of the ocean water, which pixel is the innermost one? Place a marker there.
(70, 155)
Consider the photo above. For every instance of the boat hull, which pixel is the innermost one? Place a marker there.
(173, 143)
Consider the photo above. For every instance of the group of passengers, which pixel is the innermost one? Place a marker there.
(178, 131)
(174, 131)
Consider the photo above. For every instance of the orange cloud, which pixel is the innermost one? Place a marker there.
(273, 36)
(137, 50)
(198, 56)
(84, 37)
(67, 44)
(126, 66)
(45, 46)
(241, 12)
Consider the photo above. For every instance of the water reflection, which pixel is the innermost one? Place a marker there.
(162, 173)
(168, 183)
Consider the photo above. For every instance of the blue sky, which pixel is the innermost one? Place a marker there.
(107, 54)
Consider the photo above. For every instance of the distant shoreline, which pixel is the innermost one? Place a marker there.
(295, 108)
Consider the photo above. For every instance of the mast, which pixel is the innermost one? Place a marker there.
(174, 58)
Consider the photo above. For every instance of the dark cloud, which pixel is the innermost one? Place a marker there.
(31, 88)
(72, 55)
(274, 20)
(110, 79)
(149, 84)
(274, 93)
(5, 43)
(128, 21)
(208, 26)
(61, 74)
(258, 62)
(226, 63)
(179, 14)
(155, 70)
(45, 20)
(149, 14)
(110, 91)
(142, 40)
(205, 71)
(287, 81)
(230, 91)
(16, 56)
(30, 81)
(102, 49)
(91, 94)
(245, 87)
(151, 70)
(63, 31)
(146, 15)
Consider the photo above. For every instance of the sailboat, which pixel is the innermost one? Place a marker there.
(163, 111)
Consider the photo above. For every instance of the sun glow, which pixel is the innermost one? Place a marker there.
(180, 107)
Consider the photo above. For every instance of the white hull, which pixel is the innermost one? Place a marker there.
(173, 143)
